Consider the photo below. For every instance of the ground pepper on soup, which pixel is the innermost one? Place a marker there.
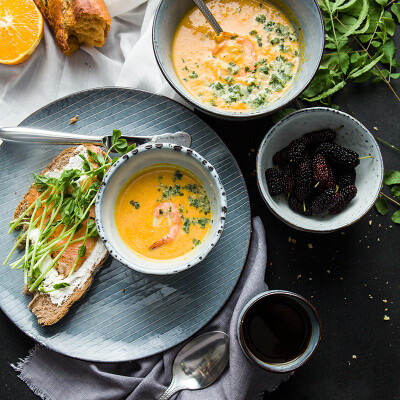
(250, 66)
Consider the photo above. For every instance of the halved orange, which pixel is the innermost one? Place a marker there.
(21, 29)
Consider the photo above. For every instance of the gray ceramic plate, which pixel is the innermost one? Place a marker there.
(153, 313)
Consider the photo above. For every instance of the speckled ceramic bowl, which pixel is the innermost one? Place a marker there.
(354, 136)
(305, 16)
(131, 163)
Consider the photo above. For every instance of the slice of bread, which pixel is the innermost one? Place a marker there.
(47, 311)
(77, 22)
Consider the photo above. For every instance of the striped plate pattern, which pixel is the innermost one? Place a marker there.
(153, 313)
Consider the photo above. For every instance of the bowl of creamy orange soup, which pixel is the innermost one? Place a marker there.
(268, 54)
(161, 210)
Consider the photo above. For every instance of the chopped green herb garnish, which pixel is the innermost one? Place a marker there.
(269, 27)
(261, 18)
(193, 75)
(192, 187)
(171, 191)
(135, 204)
(186, 225)
(177, 176)
(195, 242)
(201, 203)
(187, 222)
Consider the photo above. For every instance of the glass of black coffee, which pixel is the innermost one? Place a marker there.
(279, 330)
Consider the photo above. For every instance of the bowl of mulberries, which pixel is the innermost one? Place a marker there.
(319, 170)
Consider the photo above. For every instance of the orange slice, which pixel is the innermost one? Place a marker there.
(21, 29)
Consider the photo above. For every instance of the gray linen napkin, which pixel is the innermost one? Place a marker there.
(53, 376)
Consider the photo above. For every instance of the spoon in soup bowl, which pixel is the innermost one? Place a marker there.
(208, 14)
(222, 37)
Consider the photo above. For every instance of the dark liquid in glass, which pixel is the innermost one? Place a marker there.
(276, 329)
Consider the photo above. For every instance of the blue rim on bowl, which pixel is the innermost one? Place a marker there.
(353, 135)
(308, 20)
(136, 160)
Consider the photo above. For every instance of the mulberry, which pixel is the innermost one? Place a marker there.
(296, 150)
(301, 207)
(281, 157)
(287, 178)
(318, 137)
(274, 181)
(346, 195)
(344, 158)
(325, 201)
(346, 177)
(322, 173)
(303, 179)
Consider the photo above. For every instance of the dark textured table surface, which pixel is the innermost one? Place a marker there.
(352, 276)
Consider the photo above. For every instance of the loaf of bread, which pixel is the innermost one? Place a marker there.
(47, 309)
(76, 22)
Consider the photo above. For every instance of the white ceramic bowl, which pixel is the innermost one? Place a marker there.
(131, 163)
(353, 135)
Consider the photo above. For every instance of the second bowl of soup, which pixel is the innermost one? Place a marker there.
(267, 55)
(162, 209)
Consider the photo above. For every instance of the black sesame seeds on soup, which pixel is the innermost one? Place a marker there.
(252, 64)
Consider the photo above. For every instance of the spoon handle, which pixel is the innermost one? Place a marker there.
(171, 389)
(207, 13)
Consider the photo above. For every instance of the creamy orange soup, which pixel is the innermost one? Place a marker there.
(163, 212)
(248, 68)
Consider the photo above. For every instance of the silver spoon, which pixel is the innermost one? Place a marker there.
(207, 13)
(199, 363)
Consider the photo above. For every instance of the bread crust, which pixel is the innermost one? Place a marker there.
(76, 22)
(47, 312)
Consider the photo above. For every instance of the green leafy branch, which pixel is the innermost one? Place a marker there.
(358, 39)
(392, 179)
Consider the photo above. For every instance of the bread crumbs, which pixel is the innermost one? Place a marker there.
(73, 120)
(354, 357)
(386, 318)
(310, 246)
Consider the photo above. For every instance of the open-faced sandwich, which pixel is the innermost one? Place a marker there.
(62, 249)
(59, 235)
